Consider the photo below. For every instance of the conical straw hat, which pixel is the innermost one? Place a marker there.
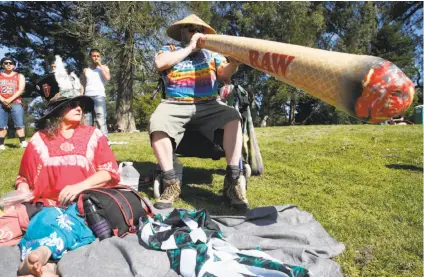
(174, 30)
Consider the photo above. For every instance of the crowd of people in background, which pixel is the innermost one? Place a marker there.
(12, 86)
(48, 169)
(190, 76)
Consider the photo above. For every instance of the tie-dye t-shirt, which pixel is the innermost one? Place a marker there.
(193, 79)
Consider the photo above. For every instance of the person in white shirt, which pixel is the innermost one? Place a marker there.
(93, 81)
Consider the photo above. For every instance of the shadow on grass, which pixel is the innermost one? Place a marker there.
(201, 198)
(194, 190)
(191, 175)
(146, 169)
(405, 167)
(261, 216)
(195, 175)
(11, 145)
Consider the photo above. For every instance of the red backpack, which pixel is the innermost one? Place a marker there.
(116, 211)
(13, 224)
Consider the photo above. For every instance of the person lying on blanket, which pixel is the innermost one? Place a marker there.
(62, 159)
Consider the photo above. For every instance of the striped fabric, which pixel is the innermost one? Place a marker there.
(195, 248)
(193, 79)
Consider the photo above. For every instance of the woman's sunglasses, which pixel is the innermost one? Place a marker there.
(193, 29)
(8, 63)
(74, 104)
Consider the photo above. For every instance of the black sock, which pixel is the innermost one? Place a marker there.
(21, 139)
(233, 171)
(1, 141)
(169, 175)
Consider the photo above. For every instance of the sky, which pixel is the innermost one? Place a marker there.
(3, 50)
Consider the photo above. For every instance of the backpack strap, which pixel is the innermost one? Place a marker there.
(80, 204)
(147, 208)
(159, 87)
(122, 202)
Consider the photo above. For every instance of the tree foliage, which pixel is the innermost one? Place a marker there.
(130, 33)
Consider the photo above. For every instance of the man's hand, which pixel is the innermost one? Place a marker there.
(8, 101)
(234, 61)
(225, 72)
(2, 100)
(5, 102)
(69, 193)
(197, 37)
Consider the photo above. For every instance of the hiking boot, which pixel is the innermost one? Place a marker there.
(235, 192)
(170, 194)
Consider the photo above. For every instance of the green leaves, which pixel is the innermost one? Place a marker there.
(130, 33)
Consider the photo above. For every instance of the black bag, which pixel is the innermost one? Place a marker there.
(121, 206)
(243, 98)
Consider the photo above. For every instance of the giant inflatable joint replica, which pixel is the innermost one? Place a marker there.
(366, 87)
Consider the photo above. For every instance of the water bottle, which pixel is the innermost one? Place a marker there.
(129, 175)
(97, 223)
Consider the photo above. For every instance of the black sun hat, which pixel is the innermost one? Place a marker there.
(49, 89)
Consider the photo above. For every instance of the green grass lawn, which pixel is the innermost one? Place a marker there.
(363, 183)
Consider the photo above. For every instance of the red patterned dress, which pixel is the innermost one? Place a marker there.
(50, 164)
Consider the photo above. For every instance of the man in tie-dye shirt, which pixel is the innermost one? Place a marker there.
(191, 76)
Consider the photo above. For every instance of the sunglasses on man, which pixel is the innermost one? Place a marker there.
(8, 63)
(193, 29)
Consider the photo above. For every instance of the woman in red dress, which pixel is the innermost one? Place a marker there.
(63, 159)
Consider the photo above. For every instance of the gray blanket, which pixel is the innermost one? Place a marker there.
(285, 232)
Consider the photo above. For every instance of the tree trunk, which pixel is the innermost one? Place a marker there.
(292, 109)
(124, 113)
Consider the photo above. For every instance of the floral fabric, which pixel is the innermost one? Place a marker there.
(58, 229)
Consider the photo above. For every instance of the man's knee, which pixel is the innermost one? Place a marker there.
(158, 135)
(234, 123)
